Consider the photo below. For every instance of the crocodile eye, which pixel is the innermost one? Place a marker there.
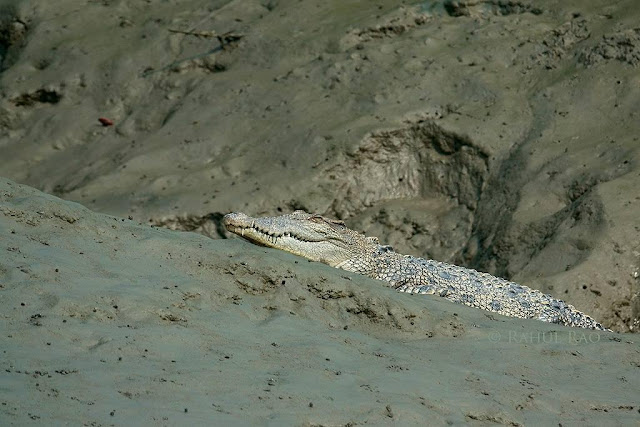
(316, 218)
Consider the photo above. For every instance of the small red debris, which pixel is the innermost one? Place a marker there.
(105, 122)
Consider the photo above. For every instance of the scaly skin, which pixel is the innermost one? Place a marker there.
(331, 242)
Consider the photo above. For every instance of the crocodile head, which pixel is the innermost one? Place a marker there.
(308, 235)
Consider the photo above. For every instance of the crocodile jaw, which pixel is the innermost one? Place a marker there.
(299, 233)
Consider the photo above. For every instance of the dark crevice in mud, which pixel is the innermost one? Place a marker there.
(13, 32)
(493, 216)
(517, 245)
(488, 247)
(503, 246)
(421, 160)
(209, 225)
(41, 96)
(457, 8)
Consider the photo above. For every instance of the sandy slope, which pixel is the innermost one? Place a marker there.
(498, 135)
(106, 321)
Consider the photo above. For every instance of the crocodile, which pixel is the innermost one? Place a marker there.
(329, 241)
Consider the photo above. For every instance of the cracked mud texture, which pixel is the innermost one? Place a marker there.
(108, 321)
(500, 135)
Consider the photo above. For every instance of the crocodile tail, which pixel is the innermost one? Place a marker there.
(572, 317)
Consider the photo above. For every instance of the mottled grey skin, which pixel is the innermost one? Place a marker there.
(331, 242)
